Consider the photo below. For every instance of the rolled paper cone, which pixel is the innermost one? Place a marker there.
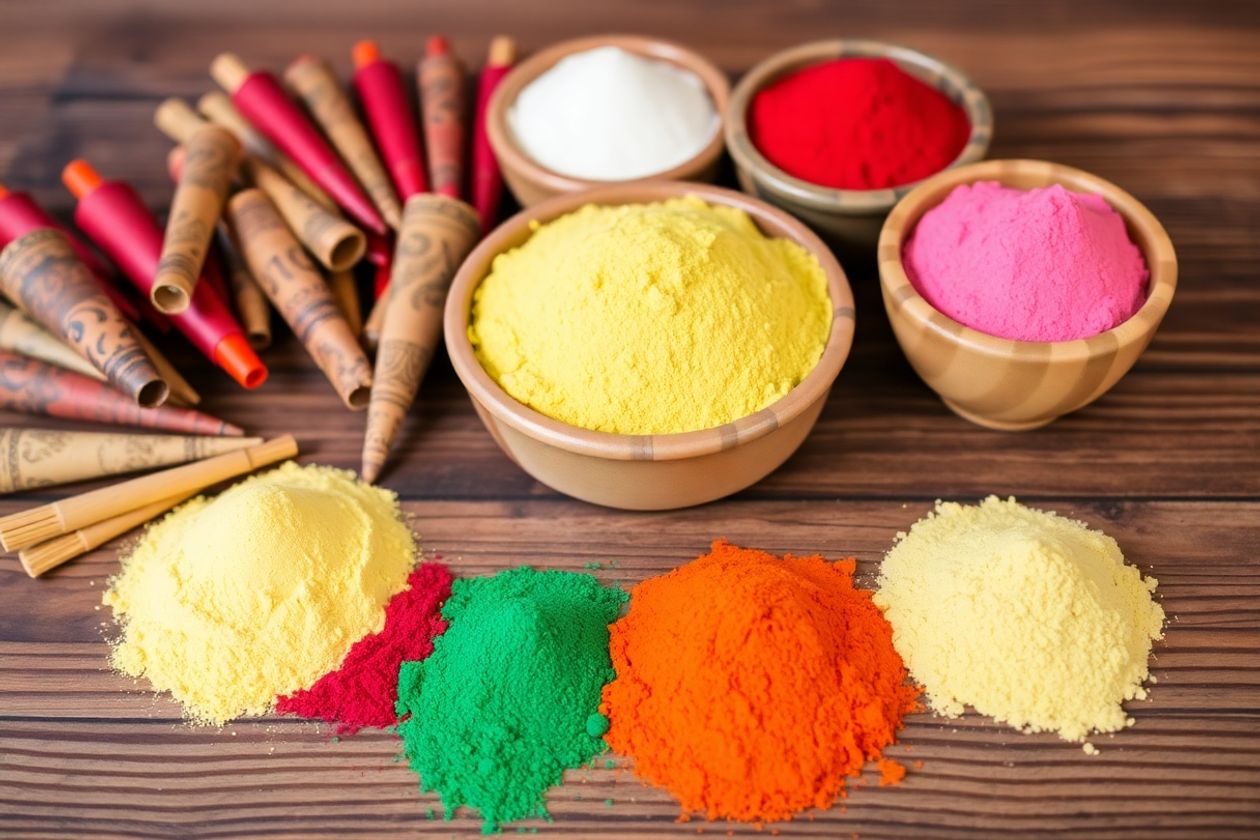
(30, 386)
(177, 120)
(387, 107)
(332, 240)
(261, 99)
(46, 556)
(29, 527)
(41, 273)
(347, 296)
(212, 156)
(251, 304)
(441, 80)
(319, 90)
(212, 269)
(47, 457)
(116, 218)
(300, 294)
(181, 392)
(437, 233)
(19, 334)
(487, 179)
(217, 107)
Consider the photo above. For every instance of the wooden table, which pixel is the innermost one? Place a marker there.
(1162, 98)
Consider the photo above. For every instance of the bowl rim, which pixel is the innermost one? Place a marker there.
(922, 66)
(513, 157)
(487, 393)
(1148, 234)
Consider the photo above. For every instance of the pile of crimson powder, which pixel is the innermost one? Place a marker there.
(856, 124)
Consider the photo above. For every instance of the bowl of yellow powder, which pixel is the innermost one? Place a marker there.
(650, 345)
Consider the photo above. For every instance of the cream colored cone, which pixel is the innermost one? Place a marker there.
(336, 243)
(19, 334)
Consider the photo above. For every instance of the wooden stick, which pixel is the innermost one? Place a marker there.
(29, 527)
(49, 555)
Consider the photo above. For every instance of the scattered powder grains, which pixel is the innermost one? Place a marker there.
(1045, 264)
(651, 318)
(509, 698)
(857, 124)
(750, 685)
(363, 691)
(229, 602)
(1028, 617)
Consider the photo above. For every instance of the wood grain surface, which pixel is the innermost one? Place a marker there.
(1162, 98)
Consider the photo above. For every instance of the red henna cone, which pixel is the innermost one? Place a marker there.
(33, 387)
(261, 99)
(113, 214)
(487, 179)
(41, 273)
(441, 80)
(379, 84)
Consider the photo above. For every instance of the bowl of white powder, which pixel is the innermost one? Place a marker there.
(607, 109)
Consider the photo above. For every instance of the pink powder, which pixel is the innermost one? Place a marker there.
(1039, 265)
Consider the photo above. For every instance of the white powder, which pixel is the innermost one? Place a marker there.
(610, 115)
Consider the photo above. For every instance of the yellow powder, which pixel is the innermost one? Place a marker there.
(1030, 618)
(651, 318)
(229, 602)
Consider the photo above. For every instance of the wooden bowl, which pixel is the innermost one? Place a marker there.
(531, 182)
(850, 219)
(647, 472)
(1002, 383)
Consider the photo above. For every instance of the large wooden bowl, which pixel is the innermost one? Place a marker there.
(532, 182)
(999, 382)
(850, 219)
(647, 472)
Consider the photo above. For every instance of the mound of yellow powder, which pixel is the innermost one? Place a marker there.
(651, 318)
(228, 602)
(1028, 617)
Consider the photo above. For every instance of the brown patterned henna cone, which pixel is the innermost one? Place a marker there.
(247, 296)
(299, 292)
(441, 81)
(333, 241)
(41, 274)
(211, 158)
(177, 120)
(47, 457)
(218, 108)
(346, 293)
(317, 86)
(19, 334)
(436, 235)
(30, 386)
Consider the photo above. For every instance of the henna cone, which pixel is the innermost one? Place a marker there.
(333, 241)
(248, 298)
(41, 273)
(259, 97)
(46, 457)
(181, 392)
(217, 107)
(347, 296)
(50, 554)
(441, 80)
(384, 99)
(29, 386)
(19, 334)
(487, 178)
(316, 85)
(177, 120)
(211, 160)
(436, 235)
(301, 295)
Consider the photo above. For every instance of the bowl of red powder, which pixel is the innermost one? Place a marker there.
(836, 132)
(1022, 290)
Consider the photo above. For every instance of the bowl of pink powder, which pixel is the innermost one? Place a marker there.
(836, 132)
(1022, 290)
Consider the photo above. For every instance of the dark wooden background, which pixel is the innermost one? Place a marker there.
(1163, 98)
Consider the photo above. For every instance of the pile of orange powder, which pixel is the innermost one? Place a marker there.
(750, 686)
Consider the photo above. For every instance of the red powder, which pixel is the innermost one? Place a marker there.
(362, 692)
(857, 124)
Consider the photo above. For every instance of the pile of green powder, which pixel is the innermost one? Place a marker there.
(509, 698)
